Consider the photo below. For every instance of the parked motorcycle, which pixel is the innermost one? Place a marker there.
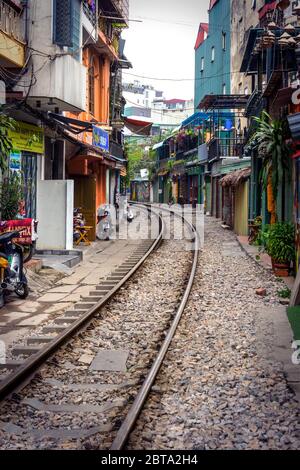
(78, 221)
(104, 227)
(28, 236)
(12, 276)
(128, 213)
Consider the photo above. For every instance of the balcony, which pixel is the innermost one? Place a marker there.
(219, 148)
(108, 42)
(122, 6)
(12, 45)
(255, 104)
(89, 21)
(118, 8)
(116, 150)
(52, 92)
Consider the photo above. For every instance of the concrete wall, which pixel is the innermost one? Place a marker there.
(54, 78)
(55, 205)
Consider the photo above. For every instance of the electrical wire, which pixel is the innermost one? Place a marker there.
(158, 111)
(207, 77)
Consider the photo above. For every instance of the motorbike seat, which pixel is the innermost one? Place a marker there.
(3, 255)
(7, 237)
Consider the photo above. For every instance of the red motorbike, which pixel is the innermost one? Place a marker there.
(28, 236)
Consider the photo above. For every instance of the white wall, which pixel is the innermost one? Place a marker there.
(63, 78)
(55, 205)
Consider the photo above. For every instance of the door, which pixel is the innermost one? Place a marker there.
(85, 197)
(194, 190)
(29, 173)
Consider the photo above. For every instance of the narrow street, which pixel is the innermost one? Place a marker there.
(149, 230)
(222, 385)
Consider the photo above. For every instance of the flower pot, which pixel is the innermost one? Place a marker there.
(281, 269)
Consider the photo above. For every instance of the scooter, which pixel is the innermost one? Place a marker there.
(12, 277)
(128, 214)
(78, 221)
(27, 229)
(104, 226)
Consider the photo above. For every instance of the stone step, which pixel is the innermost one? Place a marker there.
(79, 309)
(11, 365)
(25, 350)
(65, 320)
(40, 339)
(86, 305)
(93, 298)
(54, 329)
(72, 313)
(97, 293)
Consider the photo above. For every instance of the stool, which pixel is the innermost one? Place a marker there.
(83, 235)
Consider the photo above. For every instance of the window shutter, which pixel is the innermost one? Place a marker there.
(62, 23)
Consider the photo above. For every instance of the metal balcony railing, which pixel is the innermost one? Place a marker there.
(90, 13)
(122, 6)
(255, 104)
(10, 21)
(225, 148)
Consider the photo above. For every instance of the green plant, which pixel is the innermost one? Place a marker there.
(270, 139)
(6, 124)
(280, 242)
(284, 293)
(11, 194)
(263, 237)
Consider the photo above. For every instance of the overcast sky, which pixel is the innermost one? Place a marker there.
(163, 44)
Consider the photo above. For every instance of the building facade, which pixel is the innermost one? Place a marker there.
(212, 52)
(65, 85)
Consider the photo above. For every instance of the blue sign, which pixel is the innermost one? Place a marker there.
(15, 161)
(100, 138)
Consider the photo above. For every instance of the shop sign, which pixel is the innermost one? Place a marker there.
(15, 161)
(27, 138)
(100, 138)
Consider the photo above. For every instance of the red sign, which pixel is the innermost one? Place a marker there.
(23, 226)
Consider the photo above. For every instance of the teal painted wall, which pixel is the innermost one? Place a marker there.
(216, 73)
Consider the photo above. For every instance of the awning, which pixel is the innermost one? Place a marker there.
(236, 178)
(72, 125)
(197, 119)
(223, 102)
(158, 146)
(137, 126)
(294, 123)
(163, 173)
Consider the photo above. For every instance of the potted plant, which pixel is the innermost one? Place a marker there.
(280, 246)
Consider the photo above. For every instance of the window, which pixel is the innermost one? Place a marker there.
(202, 64)
(92, 88)
(246, 91)
(224, 88)
(62, 23)
(224, 41)
(213, 54)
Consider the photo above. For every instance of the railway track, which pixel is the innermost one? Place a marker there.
(44, 349)
(39, 348)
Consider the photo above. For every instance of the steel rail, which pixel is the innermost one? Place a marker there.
(137, 406)
(20, 377)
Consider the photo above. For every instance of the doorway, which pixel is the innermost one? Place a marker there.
(85, 198)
